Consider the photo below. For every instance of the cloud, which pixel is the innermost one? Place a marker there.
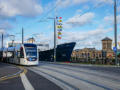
(67, 3)
(81, 36)
(86, 7)
(110, 19)
(45, 39)
(63, 3)
(11, 8)
(78, 11)
(86, 38)
(5, 25)
(2, 30)
(118, 9)
(79, 1)
(103, 1)
(79, 20)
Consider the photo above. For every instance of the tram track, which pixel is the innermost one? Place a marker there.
(75, 79)
(93, 73)
(80, 78)
(61, 83)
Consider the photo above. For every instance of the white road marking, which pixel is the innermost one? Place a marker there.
(27, 85)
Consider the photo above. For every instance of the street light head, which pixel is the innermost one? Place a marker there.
(12, 37)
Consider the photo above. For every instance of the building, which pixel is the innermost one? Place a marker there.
(31, 40)
(43, 47)
(12, 44)
(86, 55)
(106, 44)
(107, 48)
(92, 54)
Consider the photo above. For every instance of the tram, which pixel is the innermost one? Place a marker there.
(22, 54)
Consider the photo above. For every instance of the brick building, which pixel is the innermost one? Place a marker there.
(92, 54)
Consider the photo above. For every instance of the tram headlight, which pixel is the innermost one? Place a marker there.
(31, 59)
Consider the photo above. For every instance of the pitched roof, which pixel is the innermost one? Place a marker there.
(106, 39)
(31, 38)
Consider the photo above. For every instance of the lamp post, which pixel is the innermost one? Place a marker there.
(2, 41)
(115, 32)
(22, 36)
(12, 37)
(2, 38)
(54, 38)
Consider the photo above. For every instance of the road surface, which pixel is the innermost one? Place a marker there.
(57, 76)
(80, 77)
(14, 77)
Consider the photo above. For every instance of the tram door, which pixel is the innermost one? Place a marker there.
(18, 56)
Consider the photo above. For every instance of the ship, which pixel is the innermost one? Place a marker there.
(63, 53)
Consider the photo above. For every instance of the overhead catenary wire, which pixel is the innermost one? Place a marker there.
(91, 9)
(44, 17)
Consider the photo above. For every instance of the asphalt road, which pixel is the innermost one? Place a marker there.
(7, 69)
(57, 76)
(14, 77)
(80, 77)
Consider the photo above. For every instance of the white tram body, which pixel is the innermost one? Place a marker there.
(23, 54)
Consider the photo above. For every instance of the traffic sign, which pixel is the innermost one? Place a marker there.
(114, 49)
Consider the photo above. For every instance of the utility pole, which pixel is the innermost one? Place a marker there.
(2, 46)
(22, 36)
(12, 37)
(2, 41)
(115, 32)
(55, 39)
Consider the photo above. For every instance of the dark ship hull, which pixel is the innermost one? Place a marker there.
(63, 53)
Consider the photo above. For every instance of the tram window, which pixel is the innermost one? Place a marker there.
(18, 54)
(21, 53)
(12, 54)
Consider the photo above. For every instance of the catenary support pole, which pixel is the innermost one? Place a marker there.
(2, 41)
(55, 39)
(22, 36)
(115, 31)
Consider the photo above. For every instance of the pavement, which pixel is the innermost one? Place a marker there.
(14, 77)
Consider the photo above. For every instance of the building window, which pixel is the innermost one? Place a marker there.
(82, 54)
(88, 54)
(109, 45)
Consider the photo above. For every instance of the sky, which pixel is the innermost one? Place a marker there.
(85, 22)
